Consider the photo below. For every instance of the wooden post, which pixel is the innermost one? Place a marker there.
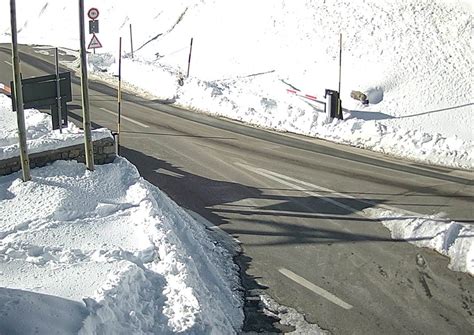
(86, 121)
(20, 113)
(189, 59)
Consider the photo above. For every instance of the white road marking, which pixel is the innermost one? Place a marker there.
(260, 211)
(8, 62)
(126, 118)
(316, 289)
(288, 181)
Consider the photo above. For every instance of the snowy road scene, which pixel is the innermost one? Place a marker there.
(249, 167)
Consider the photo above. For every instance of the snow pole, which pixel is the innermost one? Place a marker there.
(189, 58)
(339, 102)
(58, 90)
(131, 40)
(20, 113)
(119, 95)
(340, 61)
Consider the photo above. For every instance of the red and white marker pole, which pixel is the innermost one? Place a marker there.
(5, 89)
(303, 95)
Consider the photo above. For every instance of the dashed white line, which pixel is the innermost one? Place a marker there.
(126, 118)
(8, 62)
(316, 289)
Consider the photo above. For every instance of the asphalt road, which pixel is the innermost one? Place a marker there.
(295, 203)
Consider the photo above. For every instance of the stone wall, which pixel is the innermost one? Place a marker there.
(104, 152)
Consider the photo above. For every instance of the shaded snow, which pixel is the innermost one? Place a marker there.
(113, 249)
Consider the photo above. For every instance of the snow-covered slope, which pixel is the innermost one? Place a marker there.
(412, 58)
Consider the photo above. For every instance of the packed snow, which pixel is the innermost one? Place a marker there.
(413, 60)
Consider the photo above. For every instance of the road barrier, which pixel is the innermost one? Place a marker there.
(4, 89)
(303, 95)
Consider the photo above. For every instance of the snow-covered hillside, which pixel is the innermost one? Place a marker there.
(412, 58)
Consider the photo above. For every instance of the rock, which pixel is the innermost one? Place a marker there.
(357, 95)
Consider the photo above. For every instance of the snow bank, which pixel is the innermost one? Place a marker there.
(450, 238)
(112, 249)
(412, 58)
(39, 133)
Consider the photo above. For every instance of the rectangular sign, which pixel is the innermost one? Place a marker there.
(94, 27)
(41, 91)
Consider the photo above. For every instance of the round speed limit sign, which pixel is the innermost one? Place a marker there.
(93, 13)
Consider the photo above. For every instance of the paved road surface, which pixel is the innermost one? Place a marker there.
(295, 203)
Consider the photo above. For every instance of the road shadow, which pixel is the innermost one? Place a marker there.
(184, 188)
(276, 224)
(175, 135)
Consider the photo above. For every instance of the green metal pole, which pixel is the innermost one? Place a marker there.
(20, 113)
(89, 150)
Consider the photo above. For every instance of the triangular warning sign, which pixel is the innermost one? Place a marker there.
(94, 43)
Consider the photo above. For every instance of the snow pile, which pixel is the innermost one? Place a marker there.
(39, 134)
(450, 238)
(114, 241)
(413, 59)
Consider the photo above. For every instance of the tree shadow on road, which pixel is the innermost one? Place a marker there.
(276, 224)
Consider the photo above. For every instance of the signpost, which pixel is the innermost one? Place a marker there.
(93, 14)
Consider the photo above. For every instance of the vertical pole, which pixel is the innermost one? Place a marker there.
(20, 113)
(339, 102)
(189, 59)
(58, 90)
(340, 61)
(131, 39)
(85, 93)
(119, 96)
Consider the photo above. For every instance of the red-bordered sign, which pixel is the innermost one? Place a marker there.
(93, 13)
(94, 43)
